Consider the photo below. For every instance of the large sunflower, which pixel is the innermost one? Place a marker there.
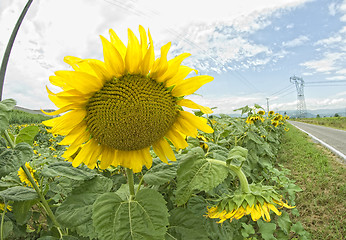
(116, 110)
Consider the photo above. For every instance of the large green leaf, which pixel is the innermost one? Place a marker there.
(160, 174)
(284, 222)
(77, 208)
(65, 169)
(145, 217)
(5, 106)
(12, 159)
(21, 210)
(184, 224)
(266, 229)
(7, 229)
(3, 121)
(27, 135)
(8, 104)
(197, 173)
(19, 194)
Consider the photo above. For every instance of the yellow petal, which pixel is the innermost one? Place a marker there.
(108, 155)
(65, 123)
(118, 44)
(274, 209)
(133, 58)
(197, 122)
(82, 138)
(148, 60)
(84, 154)
(83, 82)
(113, 60)
(144, 40)
(180, 76)
(173, 67)
(163, 150)
(190, 104)
(255, 215)
(72, 61)
(190, 85)
(185, 127)
(63, 99)
(160, 65)
(133, 160)
(177, 139)
(98, 69)
(73, 134)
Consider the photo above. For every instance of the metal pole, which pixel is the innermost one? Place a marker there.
(9, 46)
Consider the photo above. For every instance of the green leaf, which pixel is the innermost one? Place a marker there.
(77, 208)
(145, 217)
(247, 230)
(8, 103)
(27, 135)
(12, 159)
(21, 210)
(298, 228)
(160, 174)
(254, 137)
(184, 224)
(3, 121)
(266, 229)
(197, 173)
(5, 106)
(65, 169)
(7, 229)
(284, 222)
(238, 153)
(19, 194)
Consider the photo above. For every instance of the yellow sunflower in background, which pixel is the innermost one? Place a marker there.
(116, 110)
(22, 176)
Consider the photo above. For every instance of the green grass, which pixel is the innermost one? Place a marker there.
(334, 122)
(21, 117)
(322, 203)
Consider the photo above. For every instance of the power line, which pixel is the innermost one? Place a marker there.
(281, 90)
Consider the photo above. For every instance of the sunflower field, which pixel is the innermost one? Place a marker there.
(123, 159)
(224, 185)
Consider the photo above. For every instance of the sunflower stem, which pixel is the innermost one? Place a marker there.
(130, 181)
(140, 184)
(244, 184)
(43, 200)
(9, 140)
(2, 221)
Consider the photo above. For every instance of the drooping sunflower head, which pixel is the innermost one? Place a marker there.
(117, 109)
(258, 203)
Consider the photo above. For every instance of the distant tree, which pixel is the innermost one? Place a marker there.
(318, 116)
(336, 115)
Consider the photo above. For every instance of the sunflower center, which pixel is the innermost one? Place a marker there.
(130, 113)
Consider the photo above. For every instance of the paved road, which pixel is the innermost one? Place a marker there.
(333, 137)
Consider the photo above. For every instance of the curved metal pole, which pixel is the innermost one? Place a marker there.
(9, 46)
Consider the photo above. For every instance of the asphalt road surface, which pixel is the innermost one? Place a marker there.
(329, 137)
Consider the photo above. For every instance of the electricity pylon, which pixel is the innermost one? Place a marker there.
(301, 107)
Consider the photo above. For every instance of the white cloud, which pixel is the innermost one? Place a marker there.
(53, 29)
(327, 63)
(332, 8)
(336, 78)
(296, 42)
(227, 105)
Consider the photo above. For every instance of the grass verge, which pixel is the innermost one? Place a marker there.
(322, 203)
(333, 122)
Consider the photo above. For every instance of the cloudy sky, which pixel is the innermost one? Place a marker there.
(250, 47)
